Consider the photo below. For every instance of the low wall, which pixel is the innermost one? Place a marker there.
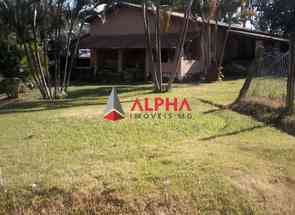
(185, 68)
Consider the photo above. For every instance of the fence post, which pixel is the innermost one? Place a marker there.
(291, 77)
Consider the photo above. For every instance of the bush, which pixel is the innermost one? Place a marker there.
(11, 87)
(13, 72)
(10, 58)
(13, 61)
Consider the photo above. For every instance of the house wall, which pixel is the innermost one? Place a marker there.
(168, 68)
(129, 21)
(126, 21)
(239, 48)
(187, 67)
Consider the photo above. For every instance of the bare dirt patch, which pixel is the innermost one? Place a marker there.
(275, 195)
(106, 202)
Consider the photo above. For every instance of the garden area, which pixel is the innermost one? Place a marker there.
(63, 158)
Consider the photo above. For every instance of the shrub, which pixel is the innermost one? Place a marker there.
(13, 72)
(11, 87)
(10, 57)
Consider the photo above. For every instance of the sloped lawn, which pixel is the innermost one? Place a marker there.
(63, 158)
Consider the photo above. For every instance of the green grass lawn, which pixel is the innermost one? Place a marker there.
(219, 162)
(273, 87)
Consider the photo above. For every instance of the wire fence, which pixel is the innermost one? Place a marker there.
(269, 81)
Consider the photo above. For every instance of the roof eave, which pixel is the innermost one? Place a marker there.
(219, 23)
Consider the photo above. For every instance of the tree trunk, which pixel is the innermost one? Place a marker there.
(257, 64)
(159, 49)
(67, 54)
(74, 56)
(149, 47)
(247, 84)
(180, 44)
(223, 48)
(33, 68)
(291, 77)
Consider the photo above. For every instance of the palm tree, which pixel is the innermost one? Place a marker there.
(50, 29)
(160, 24)
(213, 11)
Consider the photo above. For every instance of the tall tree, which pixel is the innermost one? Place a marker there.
(210, 12)
(156, 19)
(276, 16)
(50, 31)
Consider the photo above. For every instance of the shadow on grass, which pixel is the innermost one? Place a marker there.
(213, 111)
(38, 106)
(221, 107)
(77, 98)
(106, 90)
(233, 133)
(266, 112)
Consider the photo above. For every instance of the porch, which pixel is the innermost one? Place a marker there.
(125, 58)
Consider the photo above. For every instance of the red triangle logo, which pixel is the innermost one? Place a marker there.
(113, 116)
(114, 110)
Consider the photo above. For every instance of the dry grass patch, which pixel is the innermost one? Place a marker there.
(275, 194)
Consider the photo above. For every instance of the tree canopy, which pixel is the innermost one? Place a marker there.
(276, 16)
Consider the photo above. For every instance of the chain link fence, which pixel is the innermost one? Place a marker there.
(269, 81)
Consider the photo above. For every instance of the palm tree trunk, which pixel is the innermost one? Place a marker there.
(180, 44)
(33, 68)
(149, 46)
(67, 54)
(159, 49)
(224, 46)
(74, 55)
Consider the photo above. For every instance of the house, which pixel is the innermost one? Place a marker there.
(118, 49)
